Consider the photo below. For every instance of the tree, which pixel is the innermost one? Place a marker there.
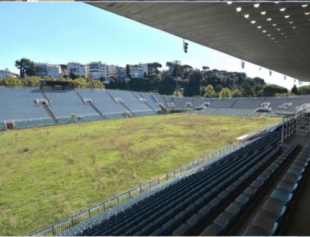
(272, 90)
(209, 91)
(193, 86)
(31, 82)
(218, 88)
(236, 93)
(303, 90)
(246, 90)
(166, 86)
(102, 78)
(259, 81)
(294, 90)
(74, 75)
(10, 82)
(128, 71)
(225, 93)
(26, 67)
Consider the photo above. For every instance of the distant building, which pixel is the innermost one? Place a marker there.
(138, 71)
(118, 73)
(96, 70)
(7, 73)
(77, 68)
(45, 69)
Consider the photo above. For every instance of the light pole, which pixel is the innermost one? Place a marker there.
(176, 76)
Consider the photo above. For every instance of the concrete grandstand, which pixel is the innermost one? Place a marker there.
(23, 108)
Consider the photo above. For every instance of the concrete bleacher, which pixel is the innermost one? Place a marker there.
(276, 102)
(200, 101)
(247, 103)
(150, 100)
(228, 111)
(181, 206)
(222, 103)
(64, 103)
(18, 105)
(104, 103)
(132, 103)
(180, 102)
(160, 100)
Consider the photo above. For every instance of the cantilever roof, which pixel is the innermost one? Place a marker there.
(278, 40)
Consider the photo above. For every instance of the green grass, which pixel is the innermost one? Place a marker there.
(50, 173)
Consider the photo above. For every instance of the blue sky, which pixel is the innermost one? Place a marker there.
(62, 32)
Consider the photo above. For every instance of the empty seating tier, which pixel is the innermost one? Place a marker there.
(18, 106)
(130, 101)
(179, 206)
(64, 103)
(247, 103)
(274, 211)
(223, 222)
(150, 101)
(104, 103)
(222, 103)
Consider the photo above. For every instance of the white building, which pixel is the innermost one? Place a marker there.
(45, 69)
(77, 67)
(7, 73)
(138, 71)
(97, 69)
(118, 73)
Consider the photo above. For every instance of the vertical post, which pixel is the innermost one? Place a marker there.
(176, 79)
(89, 213)
(282, 138)
(53, 230)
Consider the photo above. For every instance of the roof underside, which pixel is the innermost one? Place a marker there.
(280, 44)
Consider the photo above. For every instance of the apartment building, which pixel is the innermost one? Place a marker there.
(138, 71)
(117, 72)
(45, 69)
(77, 68)
(7, 73)
(97, 69)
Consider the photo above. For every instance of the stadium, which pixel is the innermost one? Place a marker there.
(97, 162)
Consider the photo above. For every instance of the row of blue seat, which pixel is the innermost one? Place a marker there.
(275, 208)
(164, 203)
(232, 213)
(257, 163)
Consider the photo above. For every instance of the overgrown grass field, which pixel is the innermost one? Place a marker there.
(50, 173)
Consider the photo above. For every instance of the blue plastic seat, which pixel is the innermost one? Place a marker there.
(275, 207)
(296, 171)
(213, 230)
(196, 219)
(292, 178)
(225, 220)
(171, 224)
(207, 210)
(243, 199)
(159, 232)
(251, 192)
(288, 186)
(234, 208)
(266, 221)
(184, 230)
(282, 196)
(255, 231)
(258, 184)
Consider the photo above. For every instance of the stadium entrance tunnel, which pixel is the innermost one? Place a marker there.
(9, 125)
